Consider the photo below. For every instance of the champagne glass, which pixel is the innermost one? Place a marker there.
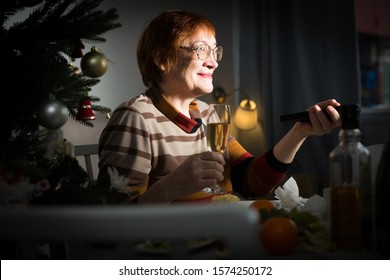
(217, 134)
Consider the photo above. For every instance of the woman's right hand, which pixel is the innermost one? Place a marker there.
(195, 173)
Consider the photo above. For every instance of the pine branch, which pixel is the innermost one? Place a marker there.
(9, 8)
(38, 54)
(35, 50)
(52, 22)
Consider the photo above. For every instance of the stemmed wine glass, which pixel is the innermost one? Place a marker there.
(217, 133)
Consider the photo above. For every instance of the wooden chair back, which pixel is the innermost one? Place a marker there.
(87, 151)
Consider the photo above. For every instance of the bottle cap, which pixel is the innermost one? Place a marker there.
(350, 116)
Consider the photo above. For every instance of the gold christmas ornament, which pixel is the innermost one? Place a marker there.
(94, 64)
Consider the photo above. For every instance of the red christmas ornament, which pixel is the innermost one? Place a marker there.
(85, 111)
(78, 49)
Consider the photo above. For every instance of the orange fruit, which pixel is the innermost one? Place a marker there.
(262, 204)
(264, 207)
(279, 235)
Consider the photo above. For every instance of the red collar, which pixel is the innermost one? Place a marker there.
(189, 125)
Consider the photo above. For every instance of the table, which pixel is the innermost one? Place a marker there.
(94, 232)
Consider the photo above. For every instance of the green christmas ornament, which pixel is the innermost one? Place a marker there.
(94, 64)
(52, 114)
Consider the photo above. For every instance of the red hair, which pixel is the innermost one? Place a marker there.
(160, 42)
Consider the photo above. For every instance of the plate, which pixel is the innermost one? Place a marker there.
(161, 247)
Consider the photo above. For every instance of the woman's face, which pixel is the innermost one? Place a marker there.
(191, 76)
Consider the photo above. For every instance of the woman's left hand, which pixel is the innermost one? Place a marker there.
(319, 123)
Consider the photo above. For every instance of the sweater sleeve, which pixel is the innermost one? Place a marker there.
(124, 145)
(256, 176)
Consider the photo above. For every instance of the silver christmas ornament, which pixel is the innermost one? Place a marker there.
(53, 114)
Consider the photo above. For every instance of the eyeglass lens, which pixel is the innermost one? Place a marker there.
(204, 52)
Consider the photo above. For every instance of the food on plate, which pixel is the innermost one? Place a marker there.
(314, 234)
(279, 235)
(157, 246)
(316, 242)
(306, 221)
(225, 198)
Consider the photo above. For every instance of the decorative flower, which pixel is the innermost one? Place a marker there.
(16, 188)
(41, 187)
(118, 182)
(9, 175)
(16, 193)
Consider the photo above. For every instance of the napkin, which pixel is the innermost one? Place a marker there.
(288, 196)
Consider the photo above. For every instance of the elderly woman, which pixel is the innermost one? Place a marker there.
(156, 140)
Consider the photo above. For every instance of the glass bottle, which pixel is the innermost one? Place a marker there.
(349, 195)
(382, 188)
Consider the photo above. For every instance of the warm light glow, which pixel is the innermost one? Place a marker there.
(245, 117)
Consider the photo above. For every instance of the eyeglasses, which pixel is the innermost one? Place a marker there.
(203, 51)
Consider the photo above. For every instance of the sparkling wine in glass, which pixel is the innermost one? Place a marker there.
(217, 133)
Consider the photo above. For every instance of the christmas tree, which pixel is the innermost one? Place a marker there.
(42, 88)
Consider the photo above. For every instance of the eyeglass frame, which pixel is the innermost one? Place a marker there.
(208, 53)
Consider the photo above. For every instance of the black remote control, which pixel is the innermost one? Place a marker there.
(303, 116)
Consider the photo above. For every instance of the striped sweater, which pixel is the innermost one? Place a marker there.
(146, 138)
